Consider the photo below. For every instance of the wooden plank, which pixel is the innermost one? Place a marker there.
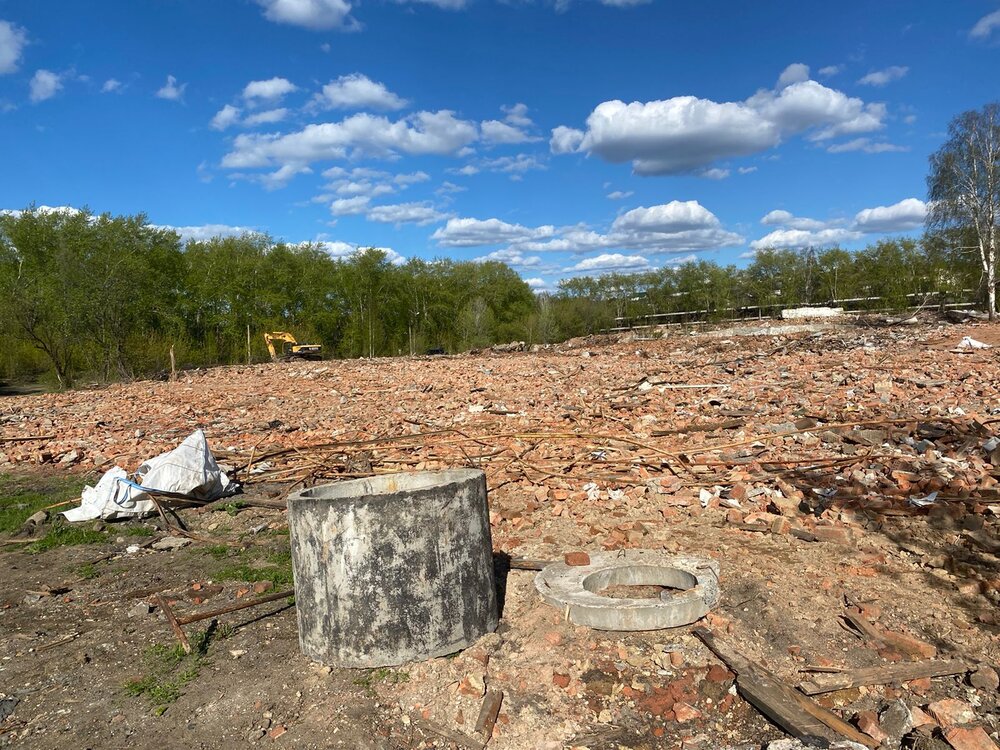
(795, 713)
(882, 675)
(488, 713)
(174, 625)
(767, 697)
(521, 563)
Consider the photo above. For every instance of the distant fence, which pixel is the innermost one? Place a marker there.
(761, 312)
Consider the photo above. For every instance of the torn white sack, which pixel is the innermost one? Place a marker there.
(190, 468)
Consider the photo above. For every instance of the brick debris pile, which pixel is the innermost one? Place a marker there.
(843, 477)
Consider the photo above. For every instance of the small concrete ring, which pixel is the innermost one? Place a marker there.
(573, 589)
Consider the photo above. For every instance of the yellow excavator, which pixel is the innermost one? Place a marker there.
(290, 348)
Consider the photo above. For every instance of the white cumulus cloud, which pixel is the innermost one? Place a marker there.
(111, 86)
(565, 140)
(885, 76)
(310, 14)
(266, 117)
(171, 90)
(405, 213)
(439, 133)
(612, 262)
(13, 40)
(494, 131)
(687, 134)
(798, 239)
(794, 73)
(899, 217)
(271, 89)
(357, 91)
(799, 232)
(225, 117)
(202, 232)
(513, 257)
(350, 206)
(44, 85)
(478, 232)
(344, 250)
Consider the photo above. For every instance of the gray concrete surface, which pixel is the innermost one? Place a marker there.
(575, 589)
(393, 569)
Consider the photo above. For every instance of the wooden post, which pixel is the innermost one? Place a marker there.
(173, 365)
(248, 343)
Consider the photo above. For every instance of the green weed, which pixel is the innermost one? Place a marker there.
(63, 534)
(381, 676)
(21, 496)
(275, 567)
(169, 671)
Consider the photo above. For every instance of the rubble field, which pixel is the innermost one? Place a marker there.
(846, 480)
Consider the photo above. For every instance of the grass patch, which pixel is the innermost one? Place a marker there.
(275, 567)
(234, 507)
(218, 551)
(87, 572)
(63, 534)
(381, 676)
(169, 670)
(21, 496)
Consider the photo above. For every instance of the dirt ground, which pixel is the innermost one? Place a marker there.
(804, 463)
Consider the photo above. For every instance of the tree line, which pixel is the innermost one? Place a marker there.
(104, 297)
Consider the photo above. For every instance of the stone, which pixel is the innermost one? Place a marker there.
(950, 712)
(896, 721)
(969, 738)
(171, 543)
(985, 678)
(560, 680)
(142, 609)
(70, 458)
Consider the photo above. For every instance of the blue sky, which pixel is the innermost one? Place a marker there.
(563, 137)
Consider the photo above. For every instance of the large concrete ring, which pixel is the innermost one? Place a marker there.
(573, 589)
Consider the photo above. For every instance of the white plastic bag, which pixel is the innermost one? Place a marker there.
(190, 468)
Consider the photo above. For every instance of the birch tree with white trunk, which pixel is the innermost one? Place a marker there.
(964, 188)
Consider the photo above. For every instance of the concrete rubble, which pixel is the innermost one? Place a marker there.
(846, 480)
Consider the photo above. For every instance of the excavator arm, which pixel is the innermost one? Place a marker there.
(294, 350)
(270, 338)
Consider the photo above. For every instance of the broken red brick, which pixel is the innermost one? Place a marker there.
(868, 723)
(684, 712)
(950, 712)
(969, 738)
(718, 673)
(577, 558)
(560, 680)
